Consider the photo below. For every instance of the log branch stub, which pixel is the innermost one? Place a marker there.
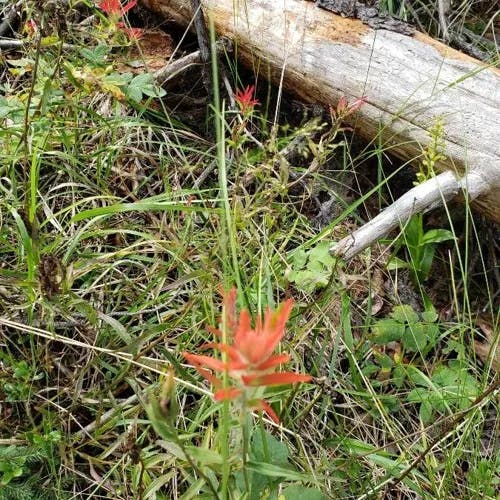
(431, 193)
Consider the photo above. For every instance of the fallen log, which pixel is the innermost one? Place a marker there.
(409, 83)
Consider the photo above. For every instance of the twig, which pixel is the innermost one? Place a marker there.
(13, 441)
(426, 196)
(204, 44)
(176, 67)
(443, 10)
(106, 417)
(8, 43)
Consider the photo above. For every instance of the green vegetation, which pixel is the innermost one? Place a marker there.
(122, 215)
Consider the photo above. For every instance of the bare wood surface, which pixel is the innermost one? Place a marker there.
(409, 81)
(433, 192)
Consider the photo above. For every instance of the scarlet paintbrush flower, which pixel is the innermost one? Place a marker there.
(245, 100)
(344, 108)
(250, 361)
(114, 7)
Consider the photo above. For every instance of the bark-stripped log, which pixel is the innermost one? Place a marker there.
(409, 81)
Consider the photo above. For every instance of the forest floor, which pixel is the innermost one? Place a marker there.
(129, 210)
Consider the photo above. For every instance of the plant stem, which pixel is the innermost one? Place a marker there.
(221, 162)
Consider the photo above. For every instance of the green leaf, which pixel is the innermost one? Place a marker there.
(425, 412)
(385, 361)
(387, 330)
(266, 448)
(437, 236)
(312, 270)
(321, 253)
(413, 231)
(399, 376)
(155, 203)
(308, 281)
(444, 376)
(397, 263)
(431, 332)
(391, 403)
(404, 314)
(418, 377)
(418, 395)
(143, 84)
(299, 259)
(430, 315)
(271, 470)
(142, 80)
(302, 493)
(96, 55)
(426, 259)
(163, 424)
(370, 369)
(204, 455)
(415, 337)
(118, 79)
(134, 93)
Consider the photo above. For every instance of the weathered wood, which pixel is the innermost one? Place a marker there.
(431, 193)
(409, 82)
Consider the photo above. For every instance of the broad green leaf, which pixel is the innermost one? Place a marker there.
(385, 361)
(302, 493)
(430, 315)
(134, 93)
(431, 331)
(389, 464)
(418, 377)
(437, 236)
(142, 80)
(299, 258)
(204, 455)
(397, 263)
(96, 55)
(276, 471)
(413, 231)
(387, 330)
(399, 376)
(426, 259)
(415, 337)
(370, 369)
(418, 395)
(425, 412)
(321, 253)
(404, 314)
(118, 79)
(266, 448)
(444, 376)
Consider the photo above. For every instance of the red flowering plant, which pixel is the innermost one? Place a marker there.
(344, 109)
(113, 8)
(244, 99)
(115, 11)
(247, 356)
